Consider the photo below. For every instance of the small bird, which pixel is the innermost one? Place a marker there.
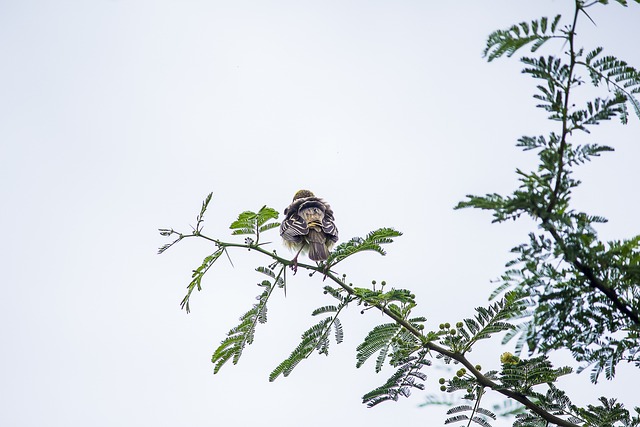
(308, 226)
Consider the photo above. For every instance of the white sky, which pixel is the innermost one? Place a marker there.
(118, 117)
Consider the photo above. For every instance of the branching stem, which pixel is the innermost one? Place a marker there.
(590, 275)
(431, 346)
(565, 109)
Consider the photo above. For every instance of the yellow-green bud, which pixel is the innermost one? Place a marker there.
(509, 358)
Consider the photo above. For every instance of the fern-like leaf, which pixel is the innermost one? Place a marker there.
(524, 374)
(198, 274)
(372, 242)
(490, 320)
(507, 42)
(312, 338)
(378, 340)
(253, 223)
(408, 376)
(242, 335)
(315, 338)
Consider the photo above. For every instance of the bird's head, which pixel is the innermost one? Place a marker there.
(301, 194)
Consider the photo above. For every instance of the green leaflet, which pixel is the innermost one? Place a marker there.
(198, 274)
(243, 334)
(372, 242)
(379, 339)
(254, 223)
(407, 377)
(317, 336)
(525, 374)
(487, 321)
(507, 42)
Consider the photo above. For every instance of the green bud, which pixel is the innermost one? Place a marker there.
(443, 388)
(441, 380)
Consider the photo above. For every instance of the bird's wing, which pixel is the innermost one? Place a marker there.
(330, 229)
(293, 228)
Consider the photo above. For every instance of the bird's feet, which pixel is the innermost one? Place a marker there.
(294, 265)
(325, 270)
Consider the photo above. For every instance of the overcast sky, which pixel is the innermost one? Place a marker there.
(117, 117)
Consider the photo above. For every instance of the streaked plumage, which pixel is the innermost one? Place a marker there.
(308, 226)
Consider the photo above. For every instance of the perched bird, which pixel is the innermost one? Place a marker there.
(308, 226)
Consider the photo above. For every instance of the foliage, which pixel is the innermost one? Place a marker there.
(243, 334)
(317, 336)
(585, 291)
(563, 289)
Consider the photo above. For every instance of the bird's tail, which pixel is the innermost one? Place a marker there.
(317, 246)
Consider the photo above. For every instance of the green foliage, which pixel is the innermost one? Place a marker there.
(317, 336)
(487, 321)
(253, 223)
(525, 374)
(407, 376)
(243, 334)
(198, 274)
(372, 242)
(507, 42)
(378, 340)
(389, 340)
(609, 413)
(478, 419)
(554, 401)
(388, 299)
(563, 289)
(203, 209)
(615, 73)
(583, 292)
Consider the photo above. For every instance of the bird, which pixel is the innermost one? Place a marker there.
(309, 226)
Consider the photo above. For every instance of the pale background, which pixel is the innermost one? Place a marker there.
(118, 117)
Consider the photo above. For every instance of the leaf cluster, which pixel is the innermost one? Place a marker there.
(254, 223)
(317, 337)
(371, 242)
(583, 292)
(243, 334)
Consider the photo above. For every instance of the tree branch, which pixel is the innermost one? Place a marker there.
(565, 110)
(482, 380)
(590, 275)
